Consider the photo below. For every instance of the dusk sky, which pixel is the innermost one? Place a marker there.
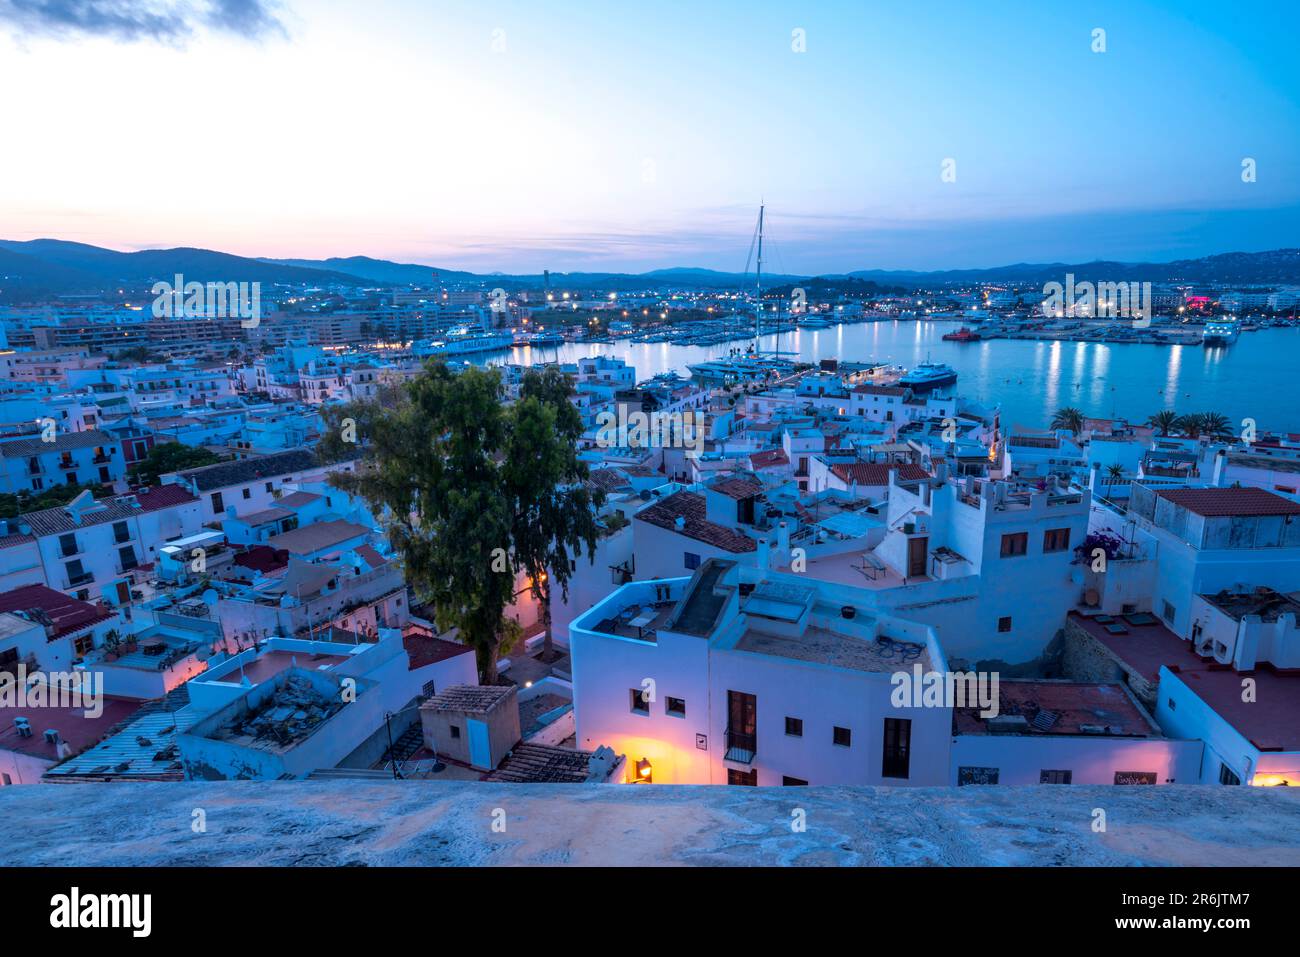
(592, 136)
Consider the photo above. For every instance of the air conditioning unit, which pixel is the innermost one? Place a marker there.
(51, 736)
(23, 727)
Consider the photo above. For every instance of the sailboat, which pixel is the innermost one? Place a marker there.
(755, 364)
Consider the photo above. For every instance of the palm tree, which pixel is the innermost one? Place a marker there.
(1190, 424)
(1164, 420)
(1114, 473)
(1068, 418)
(1213, 423)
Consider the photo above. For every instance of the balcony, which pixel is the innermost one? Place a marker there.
(84, 578)
(741, 747)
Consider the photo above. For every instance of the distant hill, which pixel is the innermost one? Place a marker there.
(377, 270)
(1277, 266)
(44, 266)
(47, 267)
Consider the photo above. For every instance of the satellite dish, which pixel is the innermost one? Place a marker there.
(210, 597)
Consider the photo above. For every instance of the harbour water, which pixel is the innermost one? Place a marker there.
(1029, 379)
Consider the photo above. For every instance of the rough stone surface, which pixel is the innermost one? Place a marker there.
(332, 823)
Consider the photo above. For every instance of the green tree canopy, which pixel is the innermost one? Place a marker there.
(171, 457)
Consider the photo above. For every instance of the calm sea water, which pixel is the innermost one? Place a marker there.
(1255, 377)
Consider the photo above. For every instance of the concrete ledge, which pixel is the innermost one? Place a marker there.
(331, 823)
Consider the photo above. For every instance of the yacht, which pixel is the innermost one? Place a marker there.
(929, 375)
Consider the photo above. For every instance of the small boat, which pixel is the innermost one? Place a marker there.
(962, 335)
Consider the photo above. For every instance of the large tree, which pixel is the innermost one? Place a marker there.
(466, 488)
(554, 509)
(1165, 420)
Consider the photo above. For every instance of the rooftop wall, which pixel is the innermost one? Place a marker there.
(330, 823)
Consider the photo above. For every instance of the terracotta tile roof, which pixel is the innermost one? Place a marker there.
(312, 538)
(608, 479)
(736, 487)
(768, 458)
(871, 473)
(422, 650)
(68, 614)
(225, 474)
(867, 389)
(25, 448)
(472, 699)
(690, 506)
(57, 520)
(1217, 502)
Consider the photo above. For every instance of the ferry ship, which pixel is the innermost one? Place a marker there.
(812, 323)
(1220, 332)
(465, 345)
(962, 335)
(745, 368)
(929, 375)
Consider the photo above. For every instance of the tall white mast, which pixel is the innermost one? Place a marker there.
(758, 306)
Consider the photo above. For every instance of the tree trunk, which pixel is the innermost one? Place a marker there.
(548, 641)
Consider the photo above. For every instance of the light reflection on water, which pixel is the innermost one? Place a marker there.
(1254, 377)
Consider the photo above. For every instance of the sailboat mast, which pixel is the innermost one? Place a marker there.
(758, 283)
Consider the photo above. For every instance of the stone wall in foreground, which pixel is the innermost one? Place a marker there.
(416, 823)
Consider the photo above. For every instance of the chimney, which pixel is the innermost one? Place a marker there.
(764, 558)
(783, 540)
(1220, 465)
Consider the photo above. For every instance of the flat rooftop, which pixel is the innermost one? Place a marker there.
(1266, 603)
(823, 646)
(271, 664)
(1270, 723)
(1063, 708)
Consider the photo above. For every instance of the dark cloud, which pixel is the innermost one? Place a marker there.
(171, 21)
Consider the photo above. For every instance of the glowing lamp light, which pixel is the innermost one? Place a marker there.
(1271, 780)
(643, 771)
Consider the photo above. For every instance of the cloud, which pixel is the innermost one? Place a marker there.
(169, 21)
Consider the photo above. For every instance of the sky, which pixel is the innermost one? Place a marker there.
(572, 136)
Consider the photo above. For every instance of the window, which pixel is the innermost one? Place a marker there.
(692, 560)
(1227, 775)
(248, 493)
(270, 487)
(747, 779)
(898, 747)
(68, 545)
(84, 645)
(126, 556)
(794, 727)
(1055, 777)
(218, 504)
(675, 707)
(1173, 705)
(121, 532)
(455, 731)
(1168, 612)
(70, 478)
(640, 701)
(843, 737)
(789, 782)
(1015, 544)
(1056, 539)
(1004, 623)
